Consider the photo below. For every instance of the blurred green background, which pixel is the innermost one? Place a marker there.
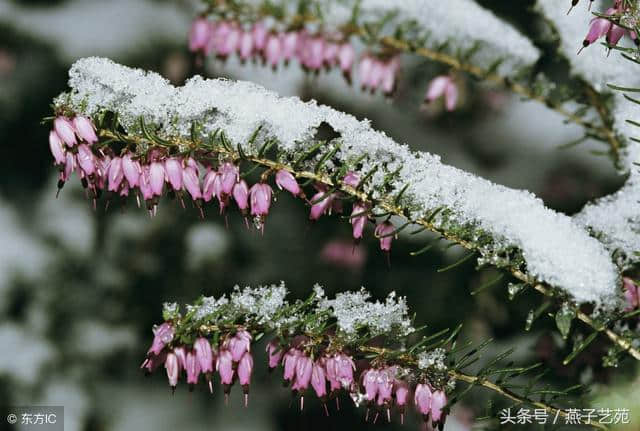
(80, 289)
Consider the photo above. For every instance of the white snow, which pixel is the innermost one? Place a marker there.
(557, 250)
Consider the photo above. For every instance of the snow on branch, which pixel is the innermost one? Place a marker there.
(463, 22)
(614, 219)
(595, 64)
(509, 228)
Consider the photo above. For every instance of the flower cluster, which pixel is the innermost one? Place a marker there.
(154, 172)
(314, 52)
(312, 347)
(605, 25)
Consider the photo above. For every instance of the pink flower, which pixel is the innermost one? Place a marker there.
(273, 50)
(615, 34)
(598, 28)
(364, 70)
(245, 367)
(156, 178)
(375, 74)
(384, 232)
(386, 378)
(422, 399)
(260, 195)
(65, 131)
(241, 195)
(314, 55)
(320, 204)
(304, 368)
(204, 354)
(331, 374)
(191, 182)
(359, 219)
(131, 169)
(330, 54)
(229, 176)
(200, 34)
(285, 180)
(181, 354)
(318, 381)
(351, 179)
(145, 184)
(402, 396)
(115, 174)
(290, 361)
(345, 368)
(438, 401)
(346, 56)
(443, 85)
(289, 45)
(259, 33)
(631, 293)
(389, 72)
(370, 383)
(239, 344)
(85, 129)
(275, 353)
(208, 185)
(171, 365)
(86, 159)
(57, 150)
(162, 335)
(224, 365)
(69, 166)
(228, 40)
(173, 169)
(192, 367)
(245, 47)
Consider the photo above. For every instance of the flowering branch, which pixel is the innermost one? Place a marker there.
(347, 344)
(378, 177)
(225, 37)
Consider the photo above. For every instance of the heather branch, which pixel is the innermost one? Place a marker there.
(388, 205)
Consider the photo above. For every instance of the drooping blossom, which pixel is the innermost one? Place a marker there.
(57, 149)
(422, 399)
(64, 128)
(260, 198)
(200, 35)
(285, 180)
(384, 231)
(162, 335)
(443, 86)
(85, 129)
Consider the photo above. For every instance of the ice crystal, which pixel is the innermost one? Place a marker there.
(433, 359)
(354, 311)
(262, 302)
(556, 249)
(209, 306)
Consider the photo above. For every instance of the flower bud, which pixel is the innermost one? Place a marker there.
(260, 195)
(275, 353)
(162, 335)
(285, 180)
(65, 131)
(200, 34)
(239, 344)
(241, 195)
(245, 368)
(318, 380)
(131, 169)
(438, 401)
(85, 129)
(192, 367)
(86, 159)
(224, 365)
(191, 182)
(422, 398)
(173, 169)
(384, 232)
(156, 178)
(56, 147)
(171, 365)
(203, 354)
(115, 174)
